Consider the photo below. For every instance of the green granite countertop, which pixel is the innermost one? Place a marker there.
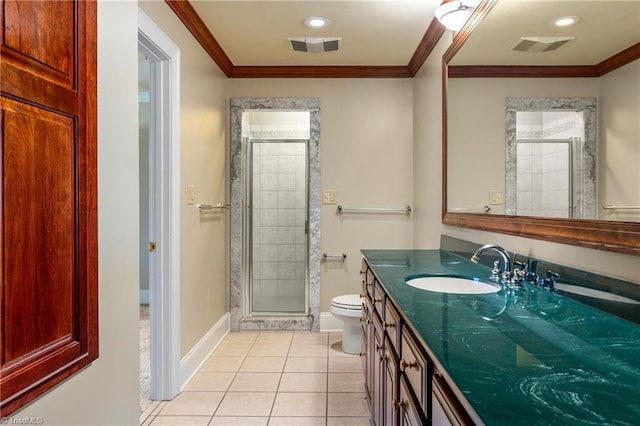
(526, 357)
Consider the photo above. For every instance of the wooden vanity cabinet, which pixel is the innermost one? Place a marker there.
(401, 381)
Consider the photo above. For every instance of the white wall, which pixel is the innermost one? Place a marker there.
(427, 183)
(204, 270)
(106, 392)
(366, 138)
(619, 150)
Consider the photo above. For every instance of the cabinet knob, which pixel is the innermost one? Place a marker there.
(377, 300)
(384, 357)
(404, 365)
(361, 354)
(388, 324)
(397, 404)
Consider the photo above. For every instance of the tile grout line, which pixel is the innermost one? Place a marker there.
(275, 397)
(244, 358)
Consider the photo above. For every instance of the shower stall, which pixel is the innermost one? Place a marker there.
(276, 227)
(550, 157)
(275, 214)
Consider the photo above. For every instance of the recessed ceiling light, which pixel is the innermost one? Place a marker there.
(565, 21)
(316, 22)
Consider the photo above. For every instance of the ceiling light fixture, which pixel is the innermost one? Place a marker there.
(454, 14)
(316, 22)
(565, 21)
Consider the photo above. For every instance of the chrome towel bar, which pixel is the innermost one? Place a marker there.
(327, 257)
(341, 209)
(485, 209)
(615, 207)
(206, 207)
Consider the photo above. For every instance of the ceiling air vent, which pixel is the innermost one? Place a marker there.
(315, 45)
(540, 44)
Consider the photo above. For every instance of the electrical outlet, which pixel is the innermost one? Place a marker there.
(329, 197)
(191, 194)
(496, 198)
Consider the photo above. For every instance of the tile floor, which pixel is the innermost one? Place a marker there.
(270, 378)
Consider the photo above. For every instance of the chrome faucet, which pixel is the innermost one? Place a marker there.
(506, 272)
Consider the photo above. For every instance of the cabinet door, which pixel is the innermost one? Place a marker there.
(391, 385)
(367, 359)
(410, 411)
(446, 407)
(48, 198)
(378, 372)
(438, 414)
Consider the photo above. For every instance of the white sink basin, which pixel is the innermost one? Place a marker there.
(453, 285)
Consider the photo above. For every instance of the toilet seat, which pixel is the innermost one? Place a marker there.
(348, 309)
(347, 301)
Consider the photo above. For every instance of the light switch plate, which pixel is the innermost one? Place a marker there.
(191, 194)
(329, 196)
(496, 198)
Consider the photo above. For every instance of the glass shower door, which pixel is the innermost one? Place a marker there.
(277, 225)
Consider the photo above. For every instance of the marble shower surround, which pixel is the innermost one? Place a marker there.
(236, 280)
(585, 194)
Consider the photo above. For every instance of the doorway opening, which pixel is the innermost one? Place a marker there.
(159, 210)
(144, 66)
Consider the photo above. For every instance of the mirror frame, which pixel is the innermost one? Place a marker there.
(621, 237)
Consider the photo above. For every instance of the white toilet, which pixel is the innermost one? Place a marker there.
(348, 309)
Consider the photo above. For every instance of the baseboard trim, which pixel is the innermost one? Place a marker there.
(144, 297)
(192, 362)
(329, 323)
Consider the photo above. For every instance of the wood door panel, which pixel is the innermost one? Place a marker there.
(49, 54)
(38, 206)
(48, 196)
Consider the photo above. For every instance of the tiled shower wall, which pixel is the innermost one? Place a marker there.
(543, 170)
(279, 198)
(543, 179)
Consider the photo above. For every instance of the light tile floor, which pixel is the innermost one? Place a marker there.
(270, 378)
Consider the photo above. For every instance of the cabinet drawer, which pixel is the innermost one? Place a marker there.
(391, 323)
(413, 363)
(370, 282)
(379, 297)
(367, 279)
(411, 414)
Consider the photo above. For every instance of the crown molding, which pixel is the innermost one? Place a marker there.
(190, 18)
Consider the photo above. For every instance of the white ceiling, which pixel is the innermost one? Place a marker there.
(374, 32)
(387, 32)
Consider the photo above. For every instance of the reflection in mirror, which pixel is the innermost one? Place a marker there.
(551, 157)
(488, 64)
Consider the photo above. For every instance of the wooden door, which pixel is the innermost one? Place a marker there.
(48, 199)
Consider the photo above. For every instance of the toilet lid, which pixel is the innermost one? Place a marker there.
(347, 301)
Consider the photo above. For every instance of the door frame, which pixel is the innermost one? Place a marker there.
(238, 106)
(249, 240)
(164, 161)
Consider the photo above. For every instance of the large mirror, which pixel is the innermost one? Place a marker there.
(541, 132)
